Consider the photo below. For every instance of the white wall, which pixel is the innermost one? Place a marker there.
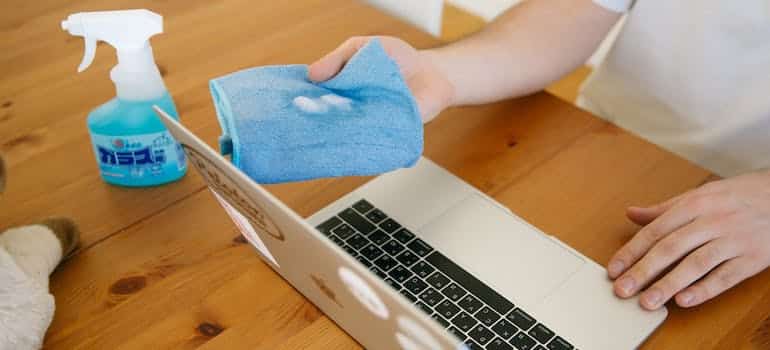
(487, 9)
(425, 14)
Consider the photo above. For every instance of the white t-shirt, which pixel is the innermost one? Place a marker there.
(692, 76)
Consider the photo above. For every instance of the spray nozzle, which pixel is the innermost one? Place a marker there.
(127, 31)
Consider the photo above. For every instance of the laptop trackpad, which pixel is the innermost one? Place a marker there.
(502, 250)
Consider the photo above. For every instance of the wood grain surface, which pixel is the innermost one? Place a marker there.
(164, 267)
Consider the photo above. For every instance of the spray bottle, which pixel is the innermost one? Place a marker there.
(132, 147)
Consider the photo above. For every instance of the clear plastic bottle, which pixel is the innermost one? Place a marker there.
(132, 146)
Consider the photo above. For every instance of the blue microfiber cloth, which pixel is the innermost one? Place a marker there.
(281, 127)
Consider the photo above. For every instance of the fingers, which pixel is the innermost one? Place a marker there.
(663, 254)
(679, 215)
(717, 231)
(722, 278)
(693, 267)
(329, 65)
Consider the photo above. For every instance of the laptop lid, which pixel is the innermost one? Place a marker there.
(351, 295)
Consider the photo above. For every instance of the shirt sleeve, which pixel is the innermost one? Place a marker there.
(616, 5)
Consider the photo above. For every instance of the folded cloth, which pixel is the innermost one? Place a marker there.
(281, 127)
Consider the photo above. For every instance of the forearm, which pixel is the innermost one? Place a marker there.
(523, 50)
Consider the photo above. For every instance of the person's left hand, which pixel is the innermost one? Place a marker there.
(720, 232)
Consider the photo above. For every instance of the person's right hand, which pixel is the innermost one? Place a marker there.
(428, 84)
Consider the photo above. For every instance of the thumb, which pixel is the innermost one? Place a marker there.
(331, 64)
(645, 215)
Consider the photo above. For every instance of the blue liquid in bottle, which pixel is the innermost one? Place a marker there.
(132, 146)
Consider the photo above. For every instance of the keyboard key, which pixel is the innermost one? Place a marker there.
(363, 261)
(400, 273)
(389, 225)
(371, 252)
(356, 220)
(392, 247)
(454, 292)
(376, 216)
(403, 235)
(472, 345)
(378, 272)
(431, 297)
(521, 319)
(442, 321)
(423, 269)
(559, 343)
(437, 280)
(481, 334)
(338, 241)
(456, 332)
(420, 247)
(408, 295)
(407, 258)
(487, 316)
(352, 251)
(344, 231)
(327, 226)
(540, 347)
(358, 241)
(464, 321)
(470, 304)
(424, 307)
(498, 344)
(385, 263)
(415, 285)
(541, 333)
(521, 341)
(379, 237)
(447, 309)
(363, 206)
(470, 283)
(393, 283)
(504, 329)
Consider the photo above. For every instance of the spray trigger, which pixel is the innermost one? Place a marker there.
(88, 56)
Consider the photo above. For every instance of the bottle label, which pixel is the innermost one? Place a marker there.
(139, 157)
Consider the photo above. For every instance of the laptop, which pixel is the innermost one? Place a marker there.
(419, 259)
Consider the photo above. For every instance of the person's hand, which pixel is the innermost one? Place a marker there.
(428, 85)
(714, 237)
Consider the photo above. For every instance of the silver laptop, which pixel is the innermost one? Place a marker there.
(419, 259)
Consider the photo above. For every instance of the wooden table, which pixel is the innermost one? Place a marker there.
(165, 268)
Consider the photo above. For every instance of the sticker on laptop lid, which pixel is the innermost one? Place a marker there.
(325, 289)
(220, 182)
(407, 343)
(412, 335)
(246, 229)
(363, 292)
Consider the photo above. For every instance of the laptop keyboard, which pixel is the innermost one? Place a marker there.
(463, 305)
